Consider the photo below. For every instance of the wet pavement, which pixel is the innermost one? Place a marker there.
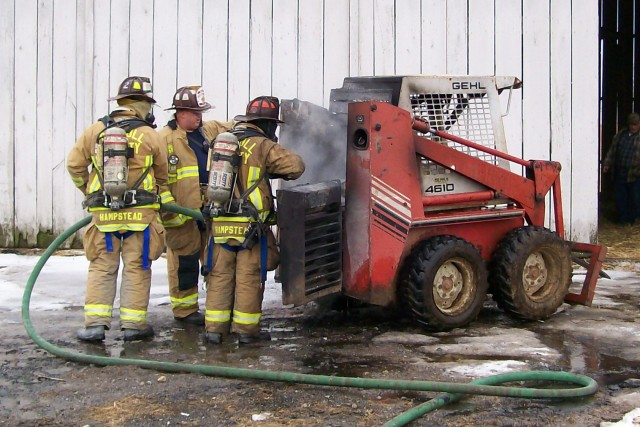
(37, 388)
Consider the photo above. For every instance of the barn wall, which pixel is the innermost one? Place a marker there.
(62, 59)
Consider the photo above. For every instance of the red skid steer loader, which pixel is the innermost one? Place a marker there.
(422, 217)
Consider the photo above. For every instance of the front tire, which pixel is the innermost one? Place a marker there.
(530, 273)
(444, 283)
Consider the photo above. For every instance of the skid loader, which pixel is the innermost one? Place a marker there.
(410, 201)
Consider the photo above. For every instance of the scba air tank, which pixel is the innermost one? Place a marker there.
(222, 158)
(115, 169)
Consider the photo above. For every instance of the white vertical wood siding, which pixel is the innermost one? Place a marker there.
(7, 135)
(62, 59)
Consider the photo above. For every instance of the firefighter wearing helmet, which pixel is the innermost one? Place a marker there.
(119, 166)
(186, 139)
(243, 247)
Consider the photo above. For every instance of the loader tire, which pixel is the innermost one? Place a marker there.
(444, 283)
(530, 273)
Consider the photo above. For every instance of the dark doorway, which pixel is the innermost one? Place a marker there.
(619, 73)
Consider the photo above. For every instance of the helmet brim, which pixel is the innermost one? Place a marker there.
(136, 97)
(204, 108)
(250, 118)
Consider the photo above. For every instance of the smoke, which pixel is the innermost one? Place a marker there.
(319, 137)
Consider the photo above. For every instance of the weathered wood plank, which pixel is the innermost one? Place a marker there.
(285, 49)
(584, 121)
(536, 128)
(7, 136)
(165, 57)
(434, 37)
(336, 46)
(66, 210)
(384, 38)
(508, 62)
(189, 42)
(408, 37)
(214, 57)
(261, 46)
(44, 116)
(560, 97)
(118, 44)
(101, 59)
(536, 58)
(239, 54)
(141, 38)
(84, 79)
(456, 31)
(362, 50)
(310, 46)
(482, 37)
(25, 122)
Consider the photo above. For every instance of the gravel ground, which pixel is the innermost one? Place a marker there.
(39, 389)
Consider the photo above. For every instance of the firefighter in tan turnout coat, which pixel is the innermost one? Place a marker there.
(124, 209)
(187, 139)
(238, 260)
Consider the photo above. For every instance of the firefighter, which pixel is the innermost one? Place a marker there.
(239, 237)
(123, 185)
(187, 139)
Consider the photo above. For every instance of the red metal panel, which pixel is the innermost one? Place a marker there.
(484, 234)
(545, 174)
(383, 196)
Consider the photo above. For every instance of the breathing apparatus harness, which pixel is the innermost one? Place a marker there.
(113, 152)
(221, 202)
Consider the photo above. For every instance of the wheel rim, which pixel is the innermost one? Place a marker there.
(540, 274)
(453, 286)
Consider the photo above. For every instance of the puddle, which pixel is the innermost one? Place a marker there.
(614, 370)
(332, 365)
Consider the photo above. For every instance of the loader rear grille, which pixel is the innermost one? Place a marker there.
(322, 250)
(310, 233)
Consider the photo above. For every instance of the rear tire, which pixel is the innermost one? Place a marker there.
(444, 283)
(530, 273)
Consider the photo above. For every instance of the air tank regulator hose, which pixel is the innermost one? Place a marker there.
(488, 386)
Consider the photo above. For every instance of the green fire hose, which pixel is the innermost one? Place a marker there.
(488, 386)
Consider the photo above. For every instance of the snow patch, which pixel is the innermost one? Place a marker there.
(485, 369)
(62, 283)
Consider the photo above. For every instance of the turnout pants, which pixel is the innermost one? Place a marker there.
(104, 253)
(234, 291)
(185, 246)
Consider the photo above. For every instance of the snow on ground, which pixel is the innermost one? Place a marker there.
(62, 281)
(485, 369)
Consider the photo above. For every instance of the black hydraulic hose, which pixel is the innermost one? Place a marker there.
(485, 386)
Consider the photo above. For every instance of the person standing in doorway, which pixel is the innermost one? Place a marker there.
(623, 162)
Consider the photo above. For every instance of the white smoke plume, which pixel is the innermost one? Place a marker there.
(318, 136)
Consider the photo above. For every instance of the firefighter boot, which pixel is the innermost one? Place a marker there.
(91, 333)
(138, 334)
(213, 337)
(195, 318)
(250, 338)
